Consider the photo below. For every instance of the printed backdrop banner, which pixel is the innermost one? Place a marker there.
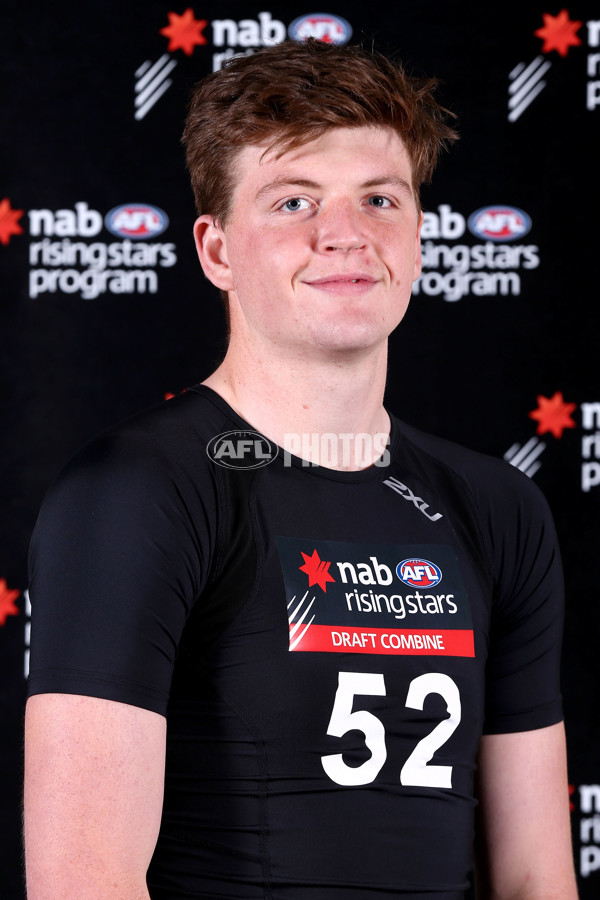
(105, 310)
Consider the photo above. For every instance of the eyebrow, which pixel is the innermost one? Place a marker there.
(377, 181)
(285, 182)
(388, 179)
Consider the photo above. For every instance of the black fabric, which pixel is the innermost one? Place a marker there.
(162, 580)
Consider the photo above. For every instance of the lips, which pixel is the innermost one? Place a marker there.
(345, 278)
(349, 284)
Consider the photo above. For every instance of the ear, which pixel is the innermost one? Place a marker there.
(211, 246)
(417, 268)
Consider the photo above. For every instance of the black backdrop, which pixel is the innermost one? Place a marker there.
(98, 324)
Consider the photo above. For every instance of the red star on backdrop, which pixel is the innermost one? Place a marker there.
(169, 395)
(558, 33)
(317, 570)
(184, 32)
(9, 221)
(553, 414)
(8, 607)
(571, 792)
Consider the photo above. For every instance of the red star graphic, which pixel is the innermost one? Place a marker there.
(9, 221)
(317, 570)
(8, 606)
(558, 33)
(184, 32)
(553, 414)
(169, 395)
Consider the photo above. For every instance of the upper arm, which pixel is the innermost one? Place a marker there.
(94, 775)
(524, 815)
(120, 553)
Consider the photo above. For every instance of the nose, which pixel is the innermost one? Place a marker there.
(340, 227)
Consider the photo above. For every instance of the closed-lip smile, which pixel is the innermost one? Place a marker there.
(343, 283)
(343, 277)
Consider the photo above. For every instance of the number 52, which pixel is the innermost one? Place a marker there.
(415, 771)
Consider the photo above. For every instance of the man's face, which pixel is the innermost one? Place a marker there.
(321, 245)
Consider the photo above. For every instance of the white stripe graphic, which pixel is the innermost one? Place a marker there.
(144, 66)
(526, 85)
(530, 461)
(294, 641)
(299, 622)
(525, 458)
(291, 617)
(161, 64)
(524, 75)
(511, 452)
(152, 83)
(532, 469)
(523, 451)
(514, 115)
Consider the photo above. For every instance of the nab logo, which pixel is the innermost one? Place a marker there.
(241, 450)
(138, 221)
(419, 573)
(322, 26)
(499, 223)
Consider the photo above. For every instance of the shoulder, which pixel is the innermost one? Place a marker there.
(502, 509)
(154, 446)
(497, 488)
(147, 474)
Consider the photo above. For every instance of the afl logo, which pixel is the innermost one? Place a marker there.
(322, 26)
(499, 223)
(419, 573)
(139, 221)
(241, 450)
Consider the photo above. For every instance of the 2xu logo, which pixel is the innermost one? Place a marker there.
(241, 450)
(396, 485)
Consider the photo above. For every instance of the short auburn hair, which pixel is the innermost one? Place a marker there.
(292, 93)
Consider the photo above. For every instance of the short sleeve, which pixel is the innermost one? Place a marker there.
(523, 670)
(119, 554)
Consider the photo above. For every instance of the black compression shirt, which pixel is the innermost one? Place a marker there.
(327, 647)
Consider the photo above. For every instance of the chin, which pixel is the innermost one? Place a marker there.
(347, 343)
(356, 335)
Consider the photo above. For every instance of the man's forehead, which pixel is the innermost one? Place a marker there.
(377, 150)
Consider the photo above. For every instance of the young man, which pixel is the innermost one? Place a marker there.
(327, 643)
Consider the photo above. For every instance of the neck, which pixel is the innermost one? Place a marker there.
(291, 401)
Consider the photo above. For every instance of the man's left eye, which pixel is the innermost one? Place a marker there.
(379, 201)
(295, 203)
